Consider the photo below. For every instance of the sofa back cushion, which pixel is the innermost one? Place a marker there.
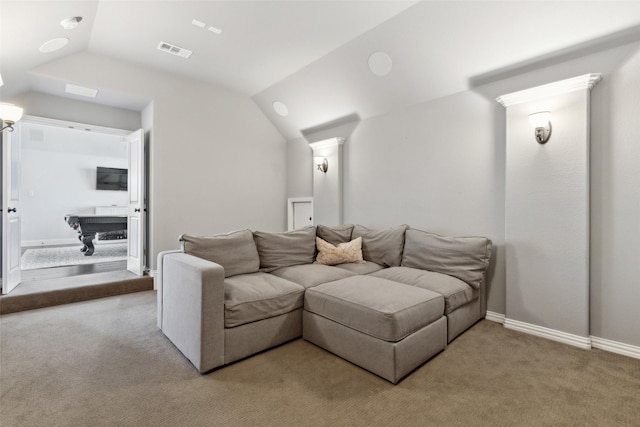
(384, 246)
(335, 234)
(466, 258)
(236, 252)
(286, 248)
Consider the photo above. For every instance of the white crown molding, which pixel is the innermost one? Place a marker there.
(494, 317)
(586, 81)
(331, 142)
(74, 125)
(551, 334)
(615, 347)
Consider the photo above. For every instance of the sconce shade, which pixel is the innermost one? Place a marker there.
(10, 113)
(541, 124)
(540, 120)
(322, 164)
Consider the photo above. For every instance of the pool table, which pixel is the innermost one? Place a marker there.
(88, 226)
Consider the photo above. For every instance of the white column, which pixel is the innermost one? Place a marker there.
(327, 186)
(547, 212)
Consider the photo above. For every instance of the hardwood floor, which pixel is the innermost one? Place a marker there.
(72, 270)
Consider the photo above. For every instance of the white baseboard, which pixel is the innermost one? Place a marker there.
(494, 317)
(50, 242)
(574, 340)
(615, 347)
(65, 242)
(551, 334)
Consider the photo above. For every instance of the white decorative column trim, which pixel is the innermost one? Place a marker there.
(331, 142)
(327, 181)
(586, 81)
(547, 277)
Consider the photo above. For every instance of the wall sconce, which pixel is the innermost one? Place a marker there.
(541, 123)
(322, 164)
(9, 115)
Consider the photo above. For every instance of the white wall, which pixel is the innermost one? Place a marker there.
(438, 166)
(615, 204)
(55, 107)
(59, 177)
(216, 163)
(299, 168)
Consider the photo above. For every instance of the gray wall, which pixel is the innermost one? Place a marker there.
(216, 163)
(440, 166)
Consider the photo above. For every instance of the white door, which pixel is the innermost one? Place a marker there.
(11, 215)
(299, 212)
(136, 214)
(302, 215)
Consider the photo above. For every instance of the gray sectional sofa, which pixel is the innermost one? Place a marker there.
(400, 296)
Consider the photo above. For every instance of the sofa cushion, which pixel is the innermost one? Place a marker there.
(383, 309)
(309, 275)
(236, 252)
(456, 293)
(383, 246)
(329, 254)
(257, 296)
(466, 258)
(286, 248)
(335, 234)
(366, 267)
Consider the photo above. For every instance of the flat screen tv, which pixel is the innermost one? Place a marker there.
(111, 179)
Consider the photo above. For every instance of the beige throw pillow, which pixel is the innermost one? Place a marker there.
(329, 254)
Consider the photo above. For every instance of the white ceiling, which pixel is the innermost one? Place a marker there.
(262, 41)
(312, 54)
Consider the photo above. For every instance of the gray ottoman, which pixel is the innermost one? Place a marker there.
(383, 326)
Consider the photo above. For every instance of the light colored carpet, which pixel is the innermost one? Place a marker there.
(105, 363)
(71, 255)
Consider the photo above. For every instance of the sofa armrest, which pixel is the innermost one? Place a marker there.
(192, 305)
(158, 282)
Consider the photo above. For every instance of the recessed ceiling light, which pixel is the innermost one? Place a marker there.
(198, 23)
(280, 108)
(71, 23)
(82, 91)
(54, 44)
(214, 30)
(380, 63)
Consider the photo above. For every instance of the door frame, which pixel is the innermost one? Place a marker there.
(290, 202)
(80, 126)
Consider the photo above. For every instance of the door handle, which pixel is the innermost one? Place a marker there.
(136, 210)
(11, 210)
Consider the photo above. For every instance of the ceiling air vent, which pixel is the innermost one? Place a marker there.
(174, 50)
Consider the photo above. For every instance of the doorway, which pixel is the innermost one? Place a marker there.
(57, 164)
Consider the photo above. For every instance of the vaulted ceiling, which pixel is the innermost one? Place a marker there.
(313, 55)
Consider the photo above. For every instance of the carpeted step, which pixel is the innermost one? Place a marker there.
(15, 301)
